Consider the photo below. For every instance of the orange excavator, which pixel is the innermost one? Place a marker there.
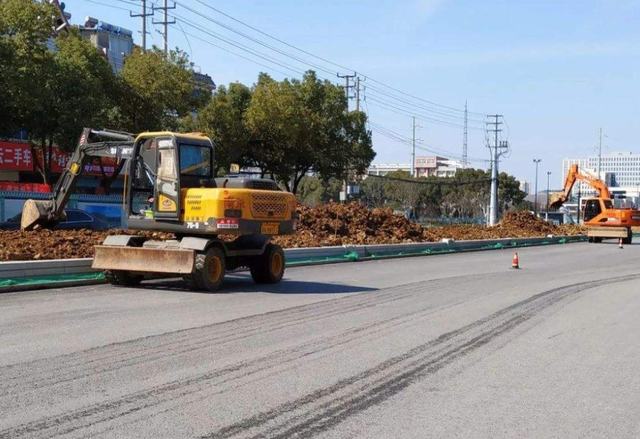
(599, 214)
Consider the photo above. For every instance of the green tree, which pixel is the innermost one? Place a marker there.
(298, 126)
(155, 91)
(223, 120)
(313, 190)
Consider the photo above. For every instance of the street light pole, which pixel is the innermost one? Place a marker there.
(546, 217)
(535, 204)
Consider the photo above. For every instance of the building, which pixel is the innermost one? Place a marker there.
(426, 166)
(385, 168)
(114, 42)
(436, 166)
(525, 186)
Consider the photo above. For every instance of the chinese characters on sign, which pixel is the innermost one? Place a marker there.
(17, 156)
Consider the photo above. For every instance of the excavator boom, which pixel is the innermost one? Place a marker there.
(575, 175)
(46, 213)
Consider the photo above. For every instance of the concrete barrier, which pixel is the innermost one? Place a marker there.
(294, 256)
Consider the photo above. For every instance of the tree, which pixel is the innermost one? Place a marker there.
(313, 190)
(25, 27)
(223, 120)
(298, 126)
(155, 90)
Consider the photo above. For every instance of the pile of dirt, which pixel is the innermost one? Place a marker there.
(325, 225)
(19, 245)
(353, 223)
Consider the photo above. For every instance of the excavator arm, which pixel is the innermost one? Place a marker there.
(575, 175)
(46, 213)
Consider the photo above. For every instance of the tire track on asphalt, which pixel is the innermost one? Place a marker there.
(325, 408)
(178, 389)
(76, 365)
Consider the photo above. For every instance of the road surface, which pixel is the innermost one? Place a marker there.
(438, 346)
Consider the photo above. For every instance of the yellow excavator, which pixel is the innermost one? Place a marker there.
(169, 187)
(599, 214)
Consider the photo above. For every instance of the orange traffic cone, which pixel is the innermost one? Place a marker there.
(516, 261)
(620, 243)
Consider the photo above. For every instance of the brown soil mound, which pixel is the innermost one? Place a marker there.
(342, 224)
(18, 245)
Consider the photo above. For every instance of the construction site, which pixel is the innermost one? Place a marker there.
(215, 224)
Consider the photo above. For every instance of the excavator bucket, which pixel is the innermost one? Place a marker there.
(37, 213)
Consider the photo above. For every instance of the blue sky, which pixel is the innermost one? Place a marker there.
(557, 70)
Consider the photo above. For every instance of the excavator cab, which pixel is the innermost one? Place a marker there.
(161, 167)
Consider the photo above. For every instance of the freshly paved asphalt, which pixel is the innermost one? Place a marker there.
(437, 346)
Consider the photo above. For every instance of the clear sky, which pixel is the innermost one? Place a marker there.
(557, 70)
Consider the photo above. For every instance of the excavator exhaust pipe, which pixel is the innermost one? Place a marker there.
(37, 214)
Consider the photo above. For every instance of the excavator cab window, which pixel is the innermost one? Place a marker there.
(167, 188)
(143, 177)
(592, 209)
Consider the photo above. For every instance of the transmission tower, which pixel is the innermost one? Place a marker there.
(464, 137)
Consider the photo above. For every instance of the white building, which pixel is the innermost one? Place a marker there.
(525, 186)
(385, 168)
(425, 166)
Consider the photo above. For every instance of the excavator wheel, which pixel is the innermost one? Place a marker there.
(209, 271)
(268, 268)
(123, 278)
(629, 239)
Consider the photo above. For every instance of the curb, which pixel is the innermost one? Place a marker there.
(66, 269)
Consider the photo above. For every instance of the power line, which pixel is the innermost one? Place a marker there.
(433, 182)
(403, 112)
(415, 113)
(255, 40)
(324, 59)
(420, 106)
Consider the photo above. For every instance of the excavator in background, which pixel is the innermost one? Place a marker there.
(169, 187)
(599, 214)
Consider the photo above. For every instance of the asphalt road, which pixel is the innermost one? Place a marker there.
(439, 346)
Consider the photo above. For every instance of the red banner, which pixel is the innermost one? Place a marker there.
(16, 156)
(9, 186)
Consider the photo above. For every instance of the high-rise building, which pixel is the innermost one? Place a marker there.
(114, 42)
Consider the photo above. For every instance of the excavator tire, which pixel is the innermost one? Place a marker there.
(597, 240)
(209, 271)
(123, 278)
(268, 268)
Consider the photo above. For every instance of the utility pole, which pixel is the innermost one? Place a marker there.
(464, 137)
(600, 154)
(144, 16)
(413, 149)
(546, 216)
(344, 196)
(165, 23)
(496, 153)
(358, 93)
(347, 79)
(535, 204)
